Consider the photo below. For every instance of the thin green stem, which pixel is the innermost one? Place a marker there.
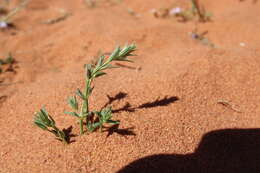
(81, 126)
(88, 87)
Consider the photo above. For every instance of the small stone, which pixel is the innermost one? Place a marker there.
(3, 25)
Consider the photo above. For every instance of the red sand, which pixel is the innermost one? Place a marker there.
(169, 65)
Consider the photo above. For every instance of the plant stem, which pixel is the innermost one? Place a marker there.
(197, 7)
(101, 128)
(81, 126)
(60, 134)
(86, 101)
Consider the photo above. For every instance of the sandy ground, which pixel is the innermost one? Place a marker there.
(172, 119)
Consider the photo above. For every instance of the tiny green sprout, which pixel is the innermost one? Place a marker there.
(104, 116)
(44, 121)
(95, 119)
(9, 61)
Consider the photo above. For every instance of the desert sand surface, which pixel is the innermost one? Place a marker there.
(185, 107)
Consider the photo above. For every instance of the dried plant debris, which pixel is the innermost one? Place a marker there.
(228, 105)
(94, 3)
(6, 15)
(199, 10)
(133, 13)
(196, 11)
(7, 64)
(63, 16)
(201, 37)
(160, 13)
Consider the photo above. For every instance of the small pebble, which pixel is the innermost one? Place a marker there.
(175, 11)
(3, 25)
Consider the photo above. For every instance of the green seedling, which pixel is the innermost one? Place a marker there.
(104, 116)
(96, 119)
(44, 121)
(9, 60)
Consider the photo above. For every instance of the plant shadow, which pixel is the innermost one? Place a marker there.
(118, 96)
(129, 108)
(123, 132)
(68, 134)
(220, 151)
(159, 102)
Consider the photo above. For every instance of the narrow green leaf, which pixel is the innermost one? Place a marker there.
(124, 59)
(127, 50)
(114, 54)
(52, 120)
(91, 127)
(42, 126)
(99, 73)
(89, 70)
(44, 116)
(100, 61)
(55, 132)
(97, 124)
(73, 102)
(72, 113)
(90, 91)
(80, 94)
(108, 66)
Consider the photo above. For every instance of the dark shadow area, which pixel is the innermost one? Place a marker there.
(220, 151)
(69, 135)
(126, 66)
(253, 1)
(123, 132)
(119, 96)
(129, 108)
(159, 102)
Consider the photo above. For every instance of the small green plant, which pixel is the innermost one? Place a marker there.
(43, 120)
(96, 119)
(92, 119)
(9, 60)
